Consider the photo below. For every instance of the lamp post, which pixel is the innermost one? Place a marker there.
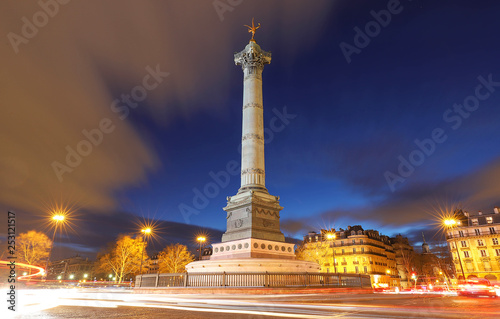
(332, 237)
(451, 223)
(145, 232)
(56, 218)
(201, 240)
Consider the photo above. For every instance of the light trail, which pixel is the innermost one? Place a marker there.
(36, 300)
(40, 272)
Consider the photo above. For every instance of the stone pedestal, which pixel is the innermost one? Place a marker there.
(252, 265)
(252, 248)
(253, 214)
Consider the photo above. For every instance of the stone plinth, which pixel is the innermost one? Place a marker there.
(245, 265)
(253, 214)
(252, 248)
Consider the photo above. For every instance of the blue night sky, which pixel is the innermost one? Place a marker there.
(349, 124)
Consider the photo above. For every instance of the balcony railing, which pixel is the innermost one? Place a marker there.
(470, 234)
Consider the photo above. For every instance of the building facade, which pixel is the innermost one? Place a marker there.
(405, 256)
(475, 245)
(353, 251)
(73, 268)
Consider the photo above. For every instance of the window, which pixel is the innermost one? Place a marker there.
(478, 232)
(354, 241)
(461, 233)
(356, 269)
(492, 230)
(480, 242)
(495, 241)
(354, 250)
(464, 243)
(466, 254)
(453, 245)
(489, 220)
(497, 251)
(343, 251)
(474, 221)
(361, 241)
(341, 243)
(483, 253)
(362, 249)
(345, 270)
(366, 268)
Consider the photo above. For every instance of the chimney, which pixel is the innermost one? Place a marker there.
(496, 210)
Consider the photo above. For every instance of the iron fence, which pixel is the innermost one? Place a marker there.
(261, 279)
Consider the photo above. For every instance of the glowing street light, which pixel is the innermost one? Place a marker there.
(71, 276)
(58, 219)
(388, 271)
(148, 231)
(451, 223)
(85, 275)
(201, 240)
(331, 236)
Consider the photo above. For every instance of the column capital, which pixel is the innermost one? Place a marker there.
(252, 57)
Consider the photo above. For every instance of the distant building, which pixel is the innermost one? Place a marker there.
(73, 268)
(356, 251)
(151, 264)
(405, 256)
(477, 241)
(206, 253)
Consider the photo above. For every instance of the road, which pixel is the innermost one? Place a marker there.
(101, 303)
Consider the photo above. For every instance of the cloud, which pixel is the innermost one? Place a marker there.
(419, 202)
(65, 77)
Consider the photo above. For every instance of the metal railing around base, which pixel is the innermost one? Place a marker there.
(261, 279)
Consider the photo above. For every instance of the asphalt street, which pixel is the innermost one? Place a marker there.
(96, 303)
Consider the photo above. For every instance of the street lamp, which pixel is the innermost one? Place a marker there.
(201, 240)
(451, 223)
(332, 237)
(146, 232)
(57, 219)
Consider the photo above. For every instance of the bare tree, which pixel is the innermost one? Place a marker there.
(174, 258)
(320, 254)
(33, 247)
(122, 258)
